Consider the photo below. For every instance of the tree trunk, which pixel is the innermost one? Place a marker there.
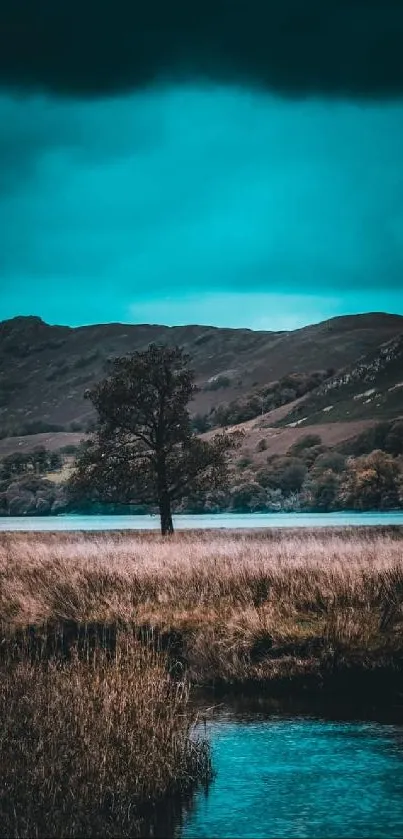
(167, 527)
(164, 500)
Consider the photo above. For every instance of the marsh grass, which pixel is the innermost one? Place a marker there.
(102, 634)
(95, 743)
(225, 606)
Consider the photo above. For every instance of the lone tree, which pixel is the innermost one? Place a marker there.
(143, 449)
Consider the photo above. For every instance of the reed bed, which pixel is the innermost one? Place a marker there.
(103, 634)
(100, 743)
(234, 606)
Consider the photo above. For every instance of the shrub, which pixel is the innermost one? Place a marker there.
(292, 477)
(372, 482)
(368, 441)
(248, 497)
(55, 461)
(310, 454)
(27, 429)
(70, 449)
(244, 462)
(76, 426)
(284, 473)
(394, 439)
(200, 423)
(322, 491)
(305, 442)
(330, 460)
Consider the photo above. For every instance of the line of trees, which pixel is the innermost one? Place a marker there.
(38, 462)
(144, 455)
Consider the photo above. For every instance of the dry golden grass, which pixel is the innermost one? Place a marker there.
(238, 606)
(95, 745)
(94, 736)
(101, 633)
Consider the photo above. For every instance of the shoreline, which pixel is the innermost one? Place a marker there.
(214, 523)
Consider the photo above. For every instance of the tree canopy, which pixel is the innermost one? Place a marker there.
(143, 449)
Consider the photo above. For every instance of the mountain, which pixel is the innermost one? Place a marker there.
(44, 369)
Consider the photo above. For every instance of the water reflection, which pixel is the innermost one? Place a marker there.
(250, 706)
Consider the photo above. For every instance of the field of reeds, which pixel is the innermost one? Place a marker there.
(103, 635)
(228, 607)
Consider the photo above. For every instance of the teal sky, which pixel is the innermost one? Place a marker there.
(200, 203)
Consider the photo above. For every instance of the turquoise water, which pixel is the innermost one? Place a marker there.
(188, 522)
(301, 778)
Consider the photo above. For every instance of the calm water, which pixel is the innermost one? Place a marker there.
(187, 522)
(299, 778)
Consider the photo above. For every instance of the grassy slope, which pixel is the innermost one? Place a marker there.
(278, 439)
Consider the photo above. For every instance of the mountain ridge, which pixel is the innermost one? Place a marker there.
(45, 369)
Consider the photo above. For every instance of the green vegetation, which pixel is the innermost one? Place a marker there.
(371, 482)
(45, 369)
(24, 489)
(370, 388)
(310, 477)
(387, 436)
(32, 496)
(38, 461)
(264, 399)
(144, 454)
(315, 478)
(28, 429)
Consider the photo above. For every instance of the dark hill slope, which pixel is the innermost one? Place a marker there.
(44, 370)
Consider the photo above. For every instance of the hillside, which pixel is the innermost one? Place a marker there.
(44, 370)
(306, 400)
(369, 389)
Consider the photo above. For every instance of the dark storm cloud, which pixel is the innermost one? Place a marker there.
(201, 203)
(81, 47)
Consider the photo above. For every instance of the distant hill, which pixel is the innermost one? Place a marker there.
(44, 370)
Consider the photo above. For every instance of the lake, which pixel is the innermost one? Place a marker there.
(227, 521)
(300, 777)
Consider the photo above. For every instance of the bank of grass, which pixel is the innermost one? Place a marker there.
(230, 607)
(103, 633)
